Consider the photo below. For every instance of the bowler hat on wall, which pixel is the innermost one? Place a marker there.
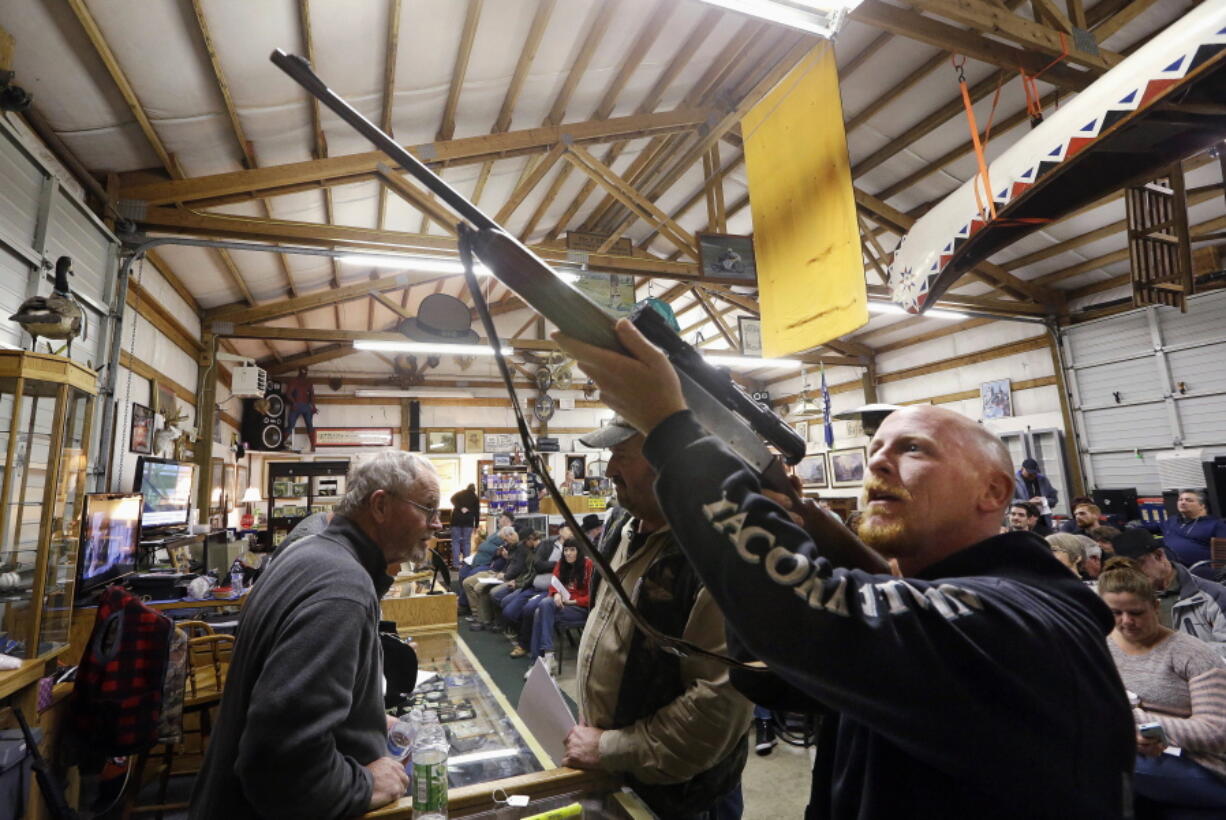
(440, 318)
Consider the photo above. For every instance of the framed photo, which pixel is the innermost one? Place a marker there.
(996, 399)
(448, 470)
(802, 429)
(812, 470)
(750, 328)
(727, 255)
(847, 467)
(474, 441)
(576, 466)
(440, 441)
(240, 483)
(140, 437)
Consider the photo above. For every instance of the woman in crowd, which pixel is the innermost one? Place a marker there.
(572, 574)
(1176, 681)
(1069, 550)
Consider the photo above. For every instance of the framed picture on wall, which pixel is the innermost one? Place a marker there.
(751, 335)
(996, 399)
(576, 467)
(727, 255)
(474, 441)
(812, 470)
(440, 441)
(802, 429)
(847, 467)
(163, 398)
(140, 438)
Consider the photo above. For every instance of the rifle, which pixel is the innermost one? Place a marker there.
(720, 405)
(52, 792)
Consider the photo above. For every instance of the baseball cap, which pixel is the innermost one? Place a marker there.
(1135, 543)
(610, 435)
(1030, 464)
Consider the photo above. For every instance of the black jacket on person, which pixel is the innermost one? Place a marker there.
(303, 709)
(465, 498)
(981, 688)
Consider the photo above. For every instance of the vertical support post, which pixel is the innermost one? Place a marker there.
(1071, 439)
(868, 380)
(404, 424)
(206, 412)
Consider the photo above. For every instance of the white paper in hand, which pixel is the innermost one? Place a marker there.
(560, 588)
(545, 712)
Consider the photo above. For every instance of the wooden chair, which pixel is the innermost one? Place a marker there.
(195, 629)
(208, 663)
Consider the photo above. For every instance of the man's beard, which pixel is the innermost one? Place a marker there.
(888, 534)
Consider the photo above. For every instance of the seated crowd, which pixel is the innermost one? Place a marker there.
(527, 586)
(1168, 644)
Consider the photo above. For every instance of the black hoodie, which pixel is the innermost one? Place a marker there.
(981, 688)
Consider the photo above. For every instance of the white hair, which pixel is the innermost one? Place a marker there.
(506, 532)
(394, 471)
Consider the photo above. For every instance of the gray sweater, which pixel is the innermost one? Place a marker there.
(303, 708)
(1181, 674)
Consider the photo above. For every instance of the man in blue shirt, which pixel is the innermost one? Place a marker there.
(1188, 534)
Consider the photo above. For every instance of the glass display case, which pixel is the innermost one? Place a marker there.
(488, 741)
(297, 489)
(46, 407)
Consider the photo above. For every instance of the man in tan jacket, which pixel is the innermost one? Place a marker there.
(675, 728)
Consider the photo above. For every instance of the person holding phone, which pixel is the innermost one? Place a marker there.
(1177, 687)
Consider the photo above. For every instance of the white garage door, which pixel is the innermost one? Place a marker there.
(1144, 382)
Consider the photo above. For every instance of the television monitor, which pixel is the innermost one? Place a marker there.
(110, 539)
(1119, 505)
(167, 489)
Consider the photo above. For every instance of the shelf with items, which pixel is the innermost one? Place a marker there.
(46, 409)
(301, 482)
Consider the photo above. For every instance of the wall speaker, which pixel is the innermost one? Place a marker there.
(414, 443)
(264, 420)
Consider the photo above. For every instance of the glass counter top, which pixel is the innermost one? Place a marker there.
(488, 740)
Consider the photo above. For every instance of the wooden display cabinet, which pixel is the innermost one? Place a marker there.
(46, 408)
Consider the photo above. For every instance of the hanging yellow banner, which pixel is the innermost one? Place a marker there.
(810, 271)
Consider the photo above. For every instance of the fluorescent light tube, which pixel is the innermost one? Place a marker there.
(421, 264)
(424, 393)
(749, 362)
(822, 17)
(935, 313)
(427, 347)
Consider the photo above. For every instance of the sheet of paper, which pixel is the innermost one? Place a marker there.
(560, 587)
(490, 579)
(545, 712)
(424, 676)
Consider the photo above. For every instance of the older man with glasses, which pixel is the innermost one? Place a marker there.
(302, 729)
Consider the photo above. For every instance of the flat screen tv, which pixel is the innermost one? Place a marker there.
(167, 488)
(110, 539)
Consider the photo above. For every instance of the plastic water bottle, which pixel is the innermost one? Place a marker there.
(400, 739)
(430, 749)
(236, 578)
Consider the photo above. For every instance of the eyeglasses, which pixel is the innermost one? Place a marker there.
(431, 512)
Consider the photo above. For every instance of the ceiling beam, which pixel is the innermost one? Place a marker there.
(419, 199)
(267, 181)
(472, 16)
(1035, 37)
(913, 25)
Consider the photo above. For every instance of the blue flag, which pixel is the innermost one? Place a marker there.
(827, 423)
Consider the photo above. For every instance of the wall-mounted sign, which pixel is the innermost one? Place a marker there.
(500, 442)
(591, 242)
(353, 437)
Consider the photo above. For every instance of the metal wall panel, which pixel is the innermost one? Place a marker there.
(1128, 427)
(1124, 335)
(1205, 321)
(1123, 470)
(21, 185)
(1154, 415)
(14, 272)
(1134, 380)
(72, 233)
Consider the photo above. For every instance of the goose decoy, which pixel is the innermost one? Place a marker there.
(57, 316)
